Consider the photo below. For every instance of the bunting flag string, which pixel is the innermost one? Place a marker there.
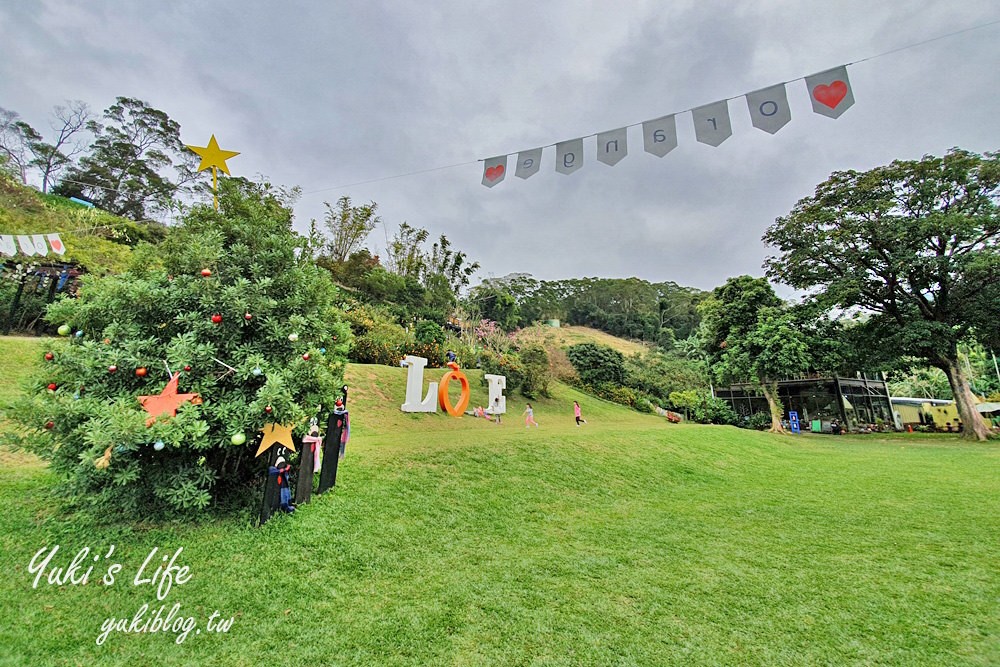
(31, 244)
(830, 93)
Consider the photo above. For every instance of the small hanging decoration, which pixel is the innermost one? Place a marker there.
(159, 445)
(217, 319)
(53, 386)
(238, 439)
(79, 334)
(64, 330)
(206, 273)
(257, 371)
(305, 357)
(139, 372)
(268, 409)
(112, 368)
(247, 316)
(50, 424)
(187, 367)
(49, 356)
(293, 337)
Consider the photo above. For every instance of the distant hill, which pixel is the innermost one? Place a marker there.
(567, 336)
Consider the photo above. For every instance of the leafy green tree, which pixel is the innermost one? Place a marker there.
(137, 163)
(753, 338)
(405, 255)
(915, 245)
(259, 339)
(348, 227)
(493, 302)
(451, 264)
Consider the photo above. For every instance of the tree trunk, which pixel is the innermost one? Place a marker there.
(974, 428)
(770, 390)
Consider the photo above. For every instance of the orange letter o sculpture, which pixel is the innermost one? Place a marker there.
(444, 401)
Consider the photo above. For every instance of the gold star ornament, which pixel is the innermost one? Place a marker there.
(213, 157)
(276, 434)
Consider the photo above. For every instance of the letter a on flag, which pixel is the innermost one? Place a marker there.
(494, 170)
(830, 92)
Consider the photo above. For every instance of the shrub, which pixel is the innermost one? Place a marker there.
(536, 371)
(760, 421)
(597, 363)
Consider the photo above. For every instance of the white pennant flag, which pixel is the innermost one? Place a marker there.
(612, 146)
(830, 92)
(569, 156)
(659, 136)
(7, 245)
(56, 244)
(769, 110)
(711, 123)
(494, 170)
(40, 246)
(27, 244)
(528, 163)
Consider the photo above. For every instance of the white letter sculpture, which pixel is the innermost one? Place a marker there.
(497, 384)
(415, 383)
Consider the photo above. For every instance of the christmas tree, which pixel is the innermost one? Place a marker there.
(227, 322)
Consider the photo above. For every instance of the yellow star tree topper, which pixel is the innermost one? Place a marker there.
(214, 158)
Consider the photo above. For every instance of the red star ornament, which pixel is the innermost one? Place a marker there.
(166, 402)
(276, 434)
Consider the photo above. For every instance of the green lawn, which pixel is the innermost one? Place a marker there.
(628, 541)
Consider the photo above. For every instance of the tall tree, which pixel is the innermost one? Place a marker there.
(16, 141)
(137, 163)
(405, 255)
(67, 122)
(914, 243)
(451, 264)
(752, 337)
(348, 226)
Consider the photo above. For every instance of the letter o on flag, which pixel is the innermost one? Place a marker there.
(444, 401)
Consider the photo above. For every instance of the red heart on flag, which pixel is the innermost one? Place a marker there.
(493, 173)
(830, 95)
(56, 244)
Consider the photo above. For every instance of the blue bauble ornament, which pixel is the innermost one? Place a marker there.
(79, 334)
(158, 445)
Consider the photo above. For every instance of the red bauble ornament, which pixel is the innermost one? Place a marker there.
(141, 371)
(53, 386)
(247, 316)
(107, 341)
(187, 368)
(305, 356)
(49, 356)
(206, 273)
(50, 424)
(112, 368)
(269, 409)
(217, 319)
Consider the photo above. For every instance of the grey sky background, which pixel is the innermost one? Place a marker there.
(323, 95)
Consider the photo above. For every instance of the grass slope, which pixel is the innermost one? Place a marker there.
(566, 336)
(628, 541)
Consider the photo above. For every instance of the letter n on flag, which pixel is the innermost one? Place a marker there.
(56, 244)
(494, 170)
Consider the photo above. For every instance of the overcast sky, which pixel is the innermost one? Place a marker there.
(324, 95)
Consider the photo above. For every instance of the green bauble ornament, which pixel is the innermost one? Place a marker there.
(64, 329)
(238, 439)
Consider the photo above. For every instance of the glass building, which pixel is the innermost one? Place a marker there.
(852, 401)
